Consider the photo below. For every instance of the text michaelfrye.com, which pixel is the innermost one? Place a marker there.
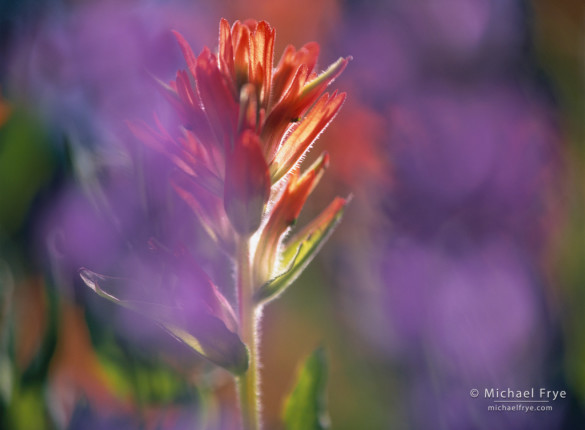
(514, 400)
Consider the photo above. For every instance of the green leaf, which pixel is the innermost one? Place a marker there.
(305, 408)
(27, 164)
(210, 338)
(301, 249)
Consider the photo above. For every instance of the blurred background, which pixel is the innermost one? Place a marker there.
(459, 263)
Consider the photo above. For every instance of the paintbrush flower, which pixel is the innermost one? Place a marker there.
(247, 124)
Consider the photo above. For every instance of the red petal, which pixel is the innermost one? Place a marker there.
(191, 113)
(247, 184)
(217, 99)
(190, 58)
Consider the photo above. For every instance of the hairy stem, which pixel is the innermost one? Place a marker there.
(248, 382)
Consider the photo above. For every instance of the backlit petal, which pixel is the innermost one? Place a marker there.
(303, 136)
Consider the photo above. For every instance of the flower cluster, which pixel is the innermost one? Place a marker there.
(245, 127)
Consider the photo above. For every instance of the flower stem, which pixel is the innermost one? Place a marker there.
(248, 382)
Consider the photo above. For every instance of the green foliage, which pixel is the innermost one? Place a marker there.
(148, 382)
(27, 410)
(305, 408)
(26, 164)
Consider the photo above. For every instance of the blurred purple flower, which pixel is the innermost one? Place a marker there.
(483, 158)
(463, 317)
(95, 64)
(460, 32)
(474, 310)
(401, 45)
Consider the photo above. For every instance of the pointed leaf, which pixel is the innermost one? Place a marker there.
(305, 408)
(302, 248)
(209, 338)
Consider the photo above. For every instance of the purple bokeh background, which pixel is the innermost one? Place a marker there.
(440, 269)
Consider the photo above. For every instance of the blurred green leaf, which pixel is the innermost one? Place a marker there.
(27, 162)
(27, 410)
(149, 382)
(6, 378)
(305, 408)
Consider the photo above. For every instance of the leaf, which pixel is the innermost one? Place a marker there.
(302, 248)
(305, 407)
(209, 337)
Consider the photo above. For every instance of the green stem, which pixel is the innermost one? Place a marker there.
(248, 382)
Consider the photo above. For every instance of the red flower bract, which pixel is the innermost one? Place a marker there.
(243, 128)
(247, 184)
(254, 122)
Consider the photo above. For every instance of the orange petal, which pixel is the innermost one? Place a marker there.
(289, 64)
(283, 114)
(303, 136)
(241, 41)
(226, 50)
(261, 60)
